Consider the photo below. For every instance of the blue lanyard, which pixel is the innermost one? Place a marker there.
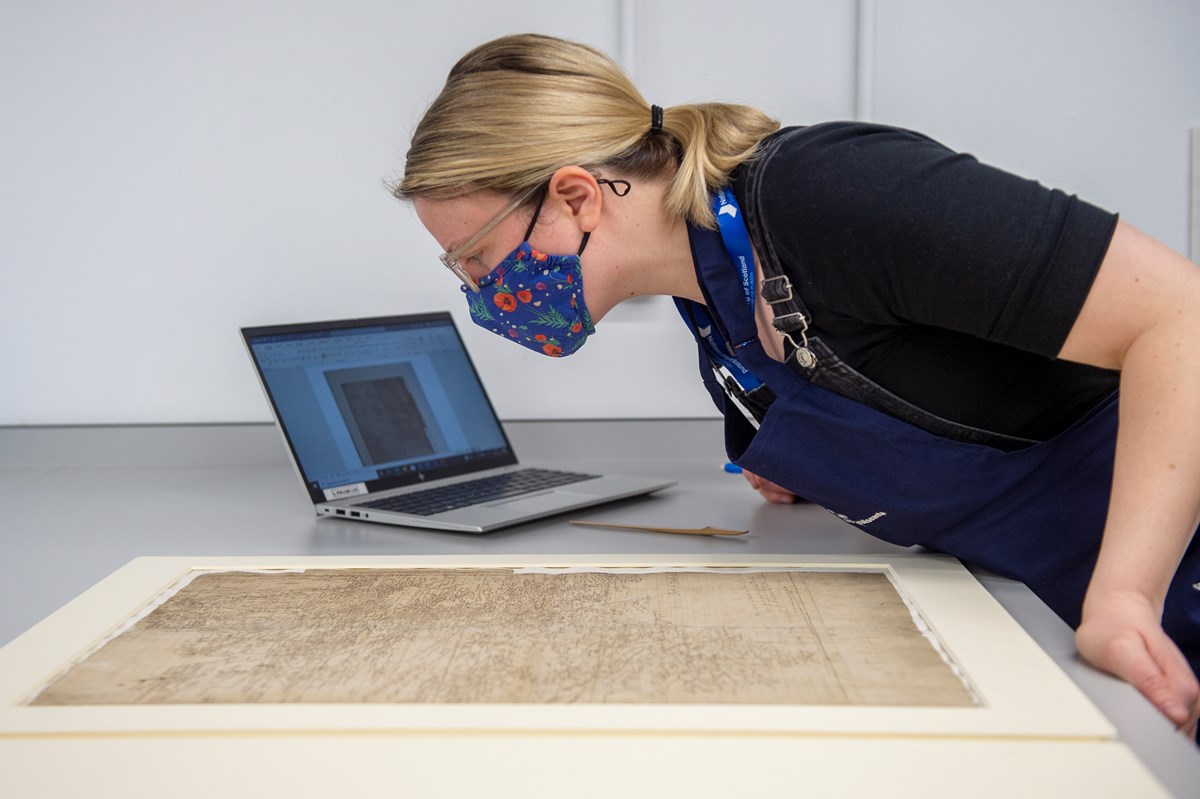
(736, 238)
(737, 243)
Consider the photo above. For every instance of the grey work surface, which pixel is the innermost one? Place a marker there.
(78, 503)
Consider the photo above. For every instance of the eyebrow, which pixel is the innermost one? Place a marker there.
(457, 248)
(456, 243)
(460, 242)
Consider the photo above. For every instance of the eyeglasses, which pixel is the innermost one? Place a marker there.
(451, 259)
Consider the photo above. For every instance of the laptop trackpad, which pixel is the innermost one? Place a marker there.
(551, 500)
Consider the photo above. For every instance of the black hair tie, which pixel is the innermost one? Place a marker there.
(656, 115)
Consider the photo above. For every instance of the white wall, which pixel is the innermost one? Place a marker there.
(1093, 96)
(172, 171)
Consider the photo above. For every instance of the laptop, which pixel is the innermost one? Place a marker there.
(387, 421)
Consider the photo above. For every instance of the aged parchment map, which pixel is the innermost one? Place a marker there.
(495, 636)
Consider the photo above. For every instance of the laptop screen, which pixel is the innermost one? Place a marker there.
(372, 404)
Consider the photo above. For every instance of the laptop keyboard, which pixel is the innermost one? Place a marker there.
(474, 492)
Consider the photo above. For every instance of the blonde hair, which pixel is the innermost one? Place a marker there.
(516, 109)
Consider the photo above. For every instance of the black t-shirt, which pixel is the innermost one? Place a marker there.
(948, 282)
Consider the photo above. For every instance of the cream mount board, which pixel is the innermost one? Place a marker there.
(1021, 692)
(582, 766)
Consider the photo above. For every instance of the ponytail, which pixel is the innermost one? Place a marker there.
(714, 138)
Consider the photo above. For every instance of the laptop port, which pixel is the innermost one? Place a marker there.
(355, 514)
(341, 512)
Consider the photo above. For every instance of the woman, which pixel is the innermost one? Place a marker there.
(926, 346)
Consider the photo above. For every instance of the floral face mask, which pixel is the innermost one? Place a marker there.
(535, 300)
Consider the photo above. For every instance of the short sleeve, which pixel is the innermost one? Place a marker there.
(889, 227)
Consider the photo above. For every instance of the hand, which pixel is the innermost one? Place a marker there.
(1121, 633)
(770, 491)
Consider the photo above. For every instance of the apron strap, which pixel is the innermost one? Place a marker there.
(791, 318)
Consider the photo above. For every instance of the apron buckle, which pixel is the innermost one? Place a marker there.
(796, 323)
(776, 290)
(805, 357)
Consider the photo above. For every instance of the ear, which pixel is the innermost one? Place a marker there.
(575, 191)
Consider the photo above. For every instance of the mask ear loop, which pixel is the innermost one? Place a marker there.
(536, 211)
(620, 188)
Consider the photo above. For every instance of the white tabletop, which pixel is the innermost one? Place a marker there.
(81, 502)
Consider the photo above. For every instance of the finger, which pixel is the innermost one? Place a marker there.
(1131, 659)
(772, 492)
(766, 485)
(761, 485)
(781, 494)
(1189, 729)
(1180, 678)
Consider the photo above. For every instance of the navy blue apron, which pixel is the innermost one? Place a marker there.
(1034, 513)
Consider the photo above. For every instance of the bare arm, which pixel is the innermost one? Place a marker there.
(1142, 316)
